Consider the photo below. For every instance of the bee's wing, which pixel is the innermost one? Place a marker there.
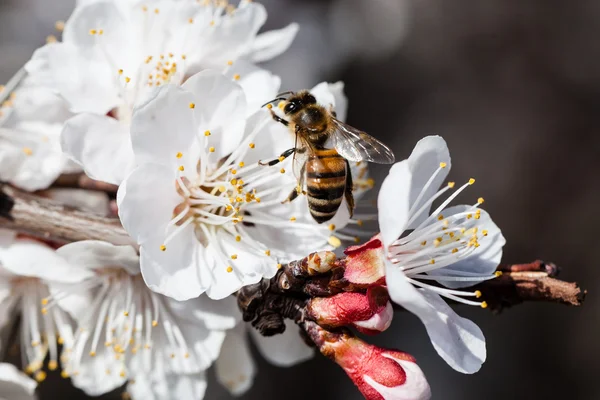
(356, 145)
(300, 158)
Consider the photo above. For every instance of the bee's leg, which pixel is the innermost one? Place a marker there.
(348, 191)
(298, 189)
(282, 157)
(278, 118)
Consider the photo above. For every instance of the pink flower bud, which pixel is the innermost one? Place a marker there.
(365, 264)
(369, 312)
(378, 373)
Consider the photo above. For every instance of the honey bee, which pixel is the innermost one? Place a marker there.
(324, 147)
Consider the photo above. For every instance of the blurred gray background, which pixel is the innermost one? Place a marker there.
(514, 88)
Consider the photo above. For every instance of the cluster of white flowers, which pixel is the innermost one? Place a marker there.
(163, 98)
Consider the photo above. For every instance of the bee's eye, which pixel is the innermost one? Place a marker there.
(310, 99)
(289, 108)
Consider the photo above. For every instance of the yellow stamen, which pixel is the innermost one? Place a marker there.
(163, 247)
(229, 269)
(236, 77)
(498, 273)
(251, 145)
(282, 170)
(471, 181)
(334, 241)
(484, 304)
(443, 165)
(192, 105)
(40, 376)
(478, 293)
(179, 155)
(206, 133)
(211, 149)
(293, 219)
(234, 256)
(451, 185)
(480, 200)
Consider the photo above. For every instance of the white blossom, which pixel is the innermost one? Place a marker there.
(128, 333)
(207, 216)
(457, 247)
(31, 121)
(29, 271)
(114, 53)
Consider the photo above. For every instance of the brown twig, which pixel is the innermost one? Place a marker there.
(43, 218)
(82, 181)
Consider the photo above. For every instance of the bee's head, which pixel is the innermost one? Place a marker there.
(297, 101)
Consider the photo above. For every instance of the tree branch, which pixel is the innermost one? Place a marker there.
(43, 218)
(82, 181)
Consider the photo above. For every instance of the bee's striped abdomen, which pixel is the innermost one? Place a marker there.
(325, 183)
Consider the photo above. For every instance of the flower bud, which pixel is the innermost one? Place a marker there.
(369, 312)
(378, 373)
(365, 264)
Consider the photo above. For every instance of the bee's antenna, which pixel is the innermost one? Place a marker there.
(284, 93)
(269, 102)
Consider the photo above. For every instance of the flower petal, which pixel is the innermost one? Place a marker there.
(258, 84)
(204, 343)
(220, 109)
(177, 271)
(100, 144)
(247, 268)
(235, 367)
(216, 315)
(236, 33)
(163, 126)
(44, 163)
(283, 350)
(27, 257)
(99, 374)
(485, 259)
(97, 15)
(457, 340)
(270, 44)
(424, 160)
(95, 254)
(135, 205)
(393, 204)
(77, 75)
(14, 384)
